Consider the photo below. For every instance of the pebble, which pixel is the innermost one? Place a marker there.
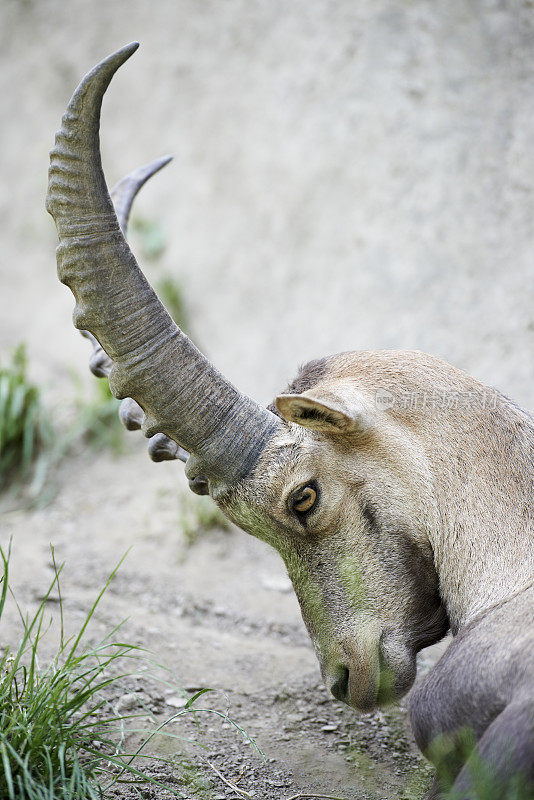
(127, 702)
(294, 717)
(177, 702)
(203, 783)
(329, 728)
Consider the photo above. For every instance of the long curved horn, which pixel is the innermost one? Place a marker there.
(124, 193)
(181, 393)
(160, 447)
(122, 196)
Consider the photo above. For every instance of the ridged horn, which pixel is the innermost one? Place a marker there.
(124, 193)
(154, 362)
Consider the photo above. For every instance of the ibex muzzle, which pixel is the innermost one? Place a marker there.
(397, 489)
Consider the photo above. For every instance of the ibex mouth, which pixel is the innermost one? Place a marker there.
(349, 686)
(372, 676)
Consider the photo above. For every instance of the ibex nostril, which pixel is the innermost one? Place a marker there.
(340, 689)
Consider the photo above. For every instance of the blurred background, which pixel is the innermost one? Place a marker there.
(346, 175)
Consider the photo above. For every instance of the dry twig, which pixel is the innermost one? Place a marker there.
(232, 785)
(307, 796)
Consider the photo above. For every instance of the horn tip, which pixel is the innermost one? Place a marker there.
(130, 48)
(116, 59)
(150, 169)
(124, 53)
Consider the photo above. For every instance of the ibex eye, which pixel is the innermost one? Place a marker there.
(304, 499)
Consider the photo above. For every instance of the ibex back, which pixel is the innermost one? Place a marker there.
(397, 489)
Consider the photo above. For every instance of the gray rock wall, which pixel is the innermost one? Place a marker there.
(349, 174)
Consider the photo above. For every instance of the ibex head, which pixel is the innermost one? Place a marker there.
(354, 495)
(344, 491)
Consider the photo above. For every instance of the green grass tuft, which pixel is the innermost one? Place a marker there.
(58, 738)
(97, 421)
(457, 750)
(150, 237)
(171, 295)
(54, 742)
(23, 424)
(198, 516)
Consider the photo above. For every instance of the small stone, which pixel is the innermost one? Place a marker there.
(202, 783)
(329, 728)
(294, 717)
(177, 702)
(127, 702)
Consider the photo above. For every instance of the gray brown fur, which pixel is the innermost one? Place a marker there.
(484, 683)
(308, 376)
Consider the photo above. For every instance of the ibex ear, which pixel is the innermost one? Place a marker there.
(326, 413)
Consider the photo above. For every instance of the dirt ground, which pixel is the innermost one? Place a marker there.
(220, 614)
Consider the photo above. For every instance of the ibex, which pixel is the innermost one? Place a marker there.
(397, 489)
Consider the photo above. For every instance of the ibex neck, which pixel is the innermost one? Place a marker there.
(484, 546)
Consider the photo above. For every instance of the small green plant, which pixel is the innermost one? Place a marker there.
(23, 424)
(450, 752)
(198, 516)
(58, 739)
(151, 236)
(30, 448)
(97, 420)
(171, 295)
(50, 740)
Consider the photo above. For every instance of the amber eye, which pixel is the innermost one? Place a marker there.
(304, 499)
